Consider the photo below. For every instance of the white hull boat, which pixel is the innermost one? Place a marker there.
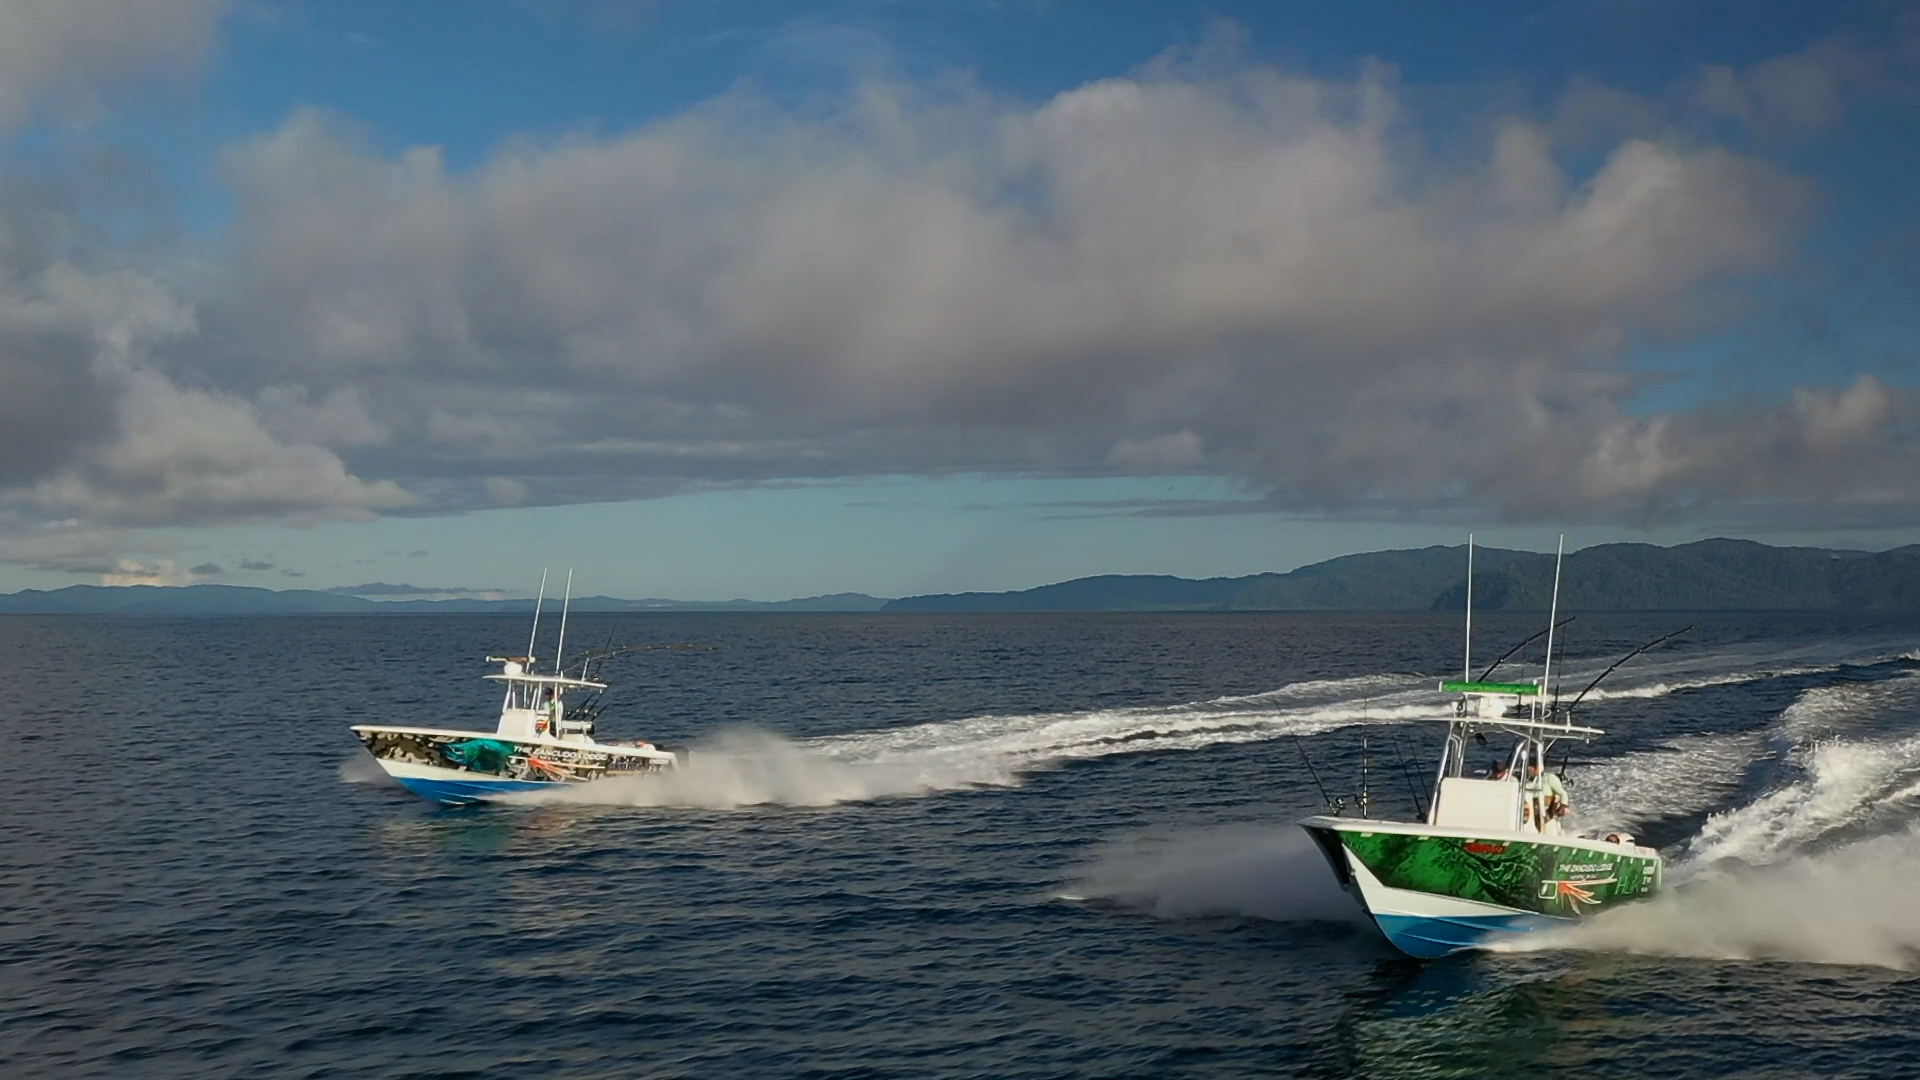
(1491, 858)
(537, 744)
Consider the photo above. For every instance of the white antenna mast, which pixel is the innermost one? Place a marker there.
(561, 649)
(536, 618)
(1553, 615)
(1466, 666)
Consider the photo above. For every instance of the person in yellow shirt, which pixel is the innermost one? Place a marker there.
(1546, 798)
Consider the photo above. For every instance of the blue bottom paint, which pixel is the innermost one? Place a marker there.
(468, 792)
(1430, 938)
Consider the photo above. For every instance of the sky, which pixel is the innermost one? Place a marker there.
(767, 299)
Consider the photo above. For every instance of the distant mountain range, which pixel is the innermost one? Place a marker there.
(246, 600)
(1706, 575)
(1702, 576)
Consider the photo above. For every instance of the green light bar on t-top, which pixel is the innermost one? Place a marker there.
(1455, 686)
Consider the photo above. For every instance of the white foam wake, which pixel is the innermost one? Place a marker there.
(755, 769)
(1682, 776)
(1846, 707)
(1853, 905)
(748, 768)
(1784, 876)
(1700, 682)
(1834, 783)
(1655, 675)
(1845, 782)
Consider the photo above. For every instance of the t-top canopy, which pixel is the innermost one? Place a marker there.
(1543, 727)
(548, 680)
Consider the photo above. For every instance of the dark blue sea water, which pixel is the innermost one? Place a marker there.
(932, 846)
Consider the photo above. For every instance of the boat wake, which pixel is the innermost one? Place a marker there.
(747, 768)
(741, 769)
(1818, 867)
(1852, 905)
(1682, 776)
(750, 768)
(1659, 676)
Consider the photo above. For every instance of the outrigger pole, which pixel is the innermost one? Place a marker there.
(535, 632)
(1466, 665)
(561, 649)
(1546, 679)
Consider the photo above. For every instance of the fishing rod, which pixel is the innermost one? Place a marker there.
(1419, 805)
(1332, 806)
(1567, 757)
(1624, 659)
(1504, 657)
(587, 660)
(602, 655)
(590, 708)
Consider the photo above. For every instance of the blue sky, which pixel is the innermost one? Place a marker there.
(774, 299)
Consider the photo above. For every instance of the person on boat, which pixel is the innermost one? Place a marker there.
(1498, 772)
(1546, 798)
(554, 710)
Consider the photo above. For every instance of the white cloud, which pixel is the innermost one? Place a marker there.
(339, 418)
(68, 48)
(196, 456)
(157, 572)
(92, 430)
(1201, 265)
(1797, 92)
(1269, 264)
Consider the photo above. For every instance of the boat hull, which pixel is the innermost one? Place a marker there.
(1434, 891)
(464, 767)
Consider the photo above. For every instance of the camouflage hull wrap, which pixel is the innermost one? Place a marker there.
(1436, 891)
(466, 767)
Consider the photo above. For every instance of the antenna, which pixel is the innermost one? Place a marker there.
(536, 618)
(1546, 680)
(1466, 666)
(561, 649)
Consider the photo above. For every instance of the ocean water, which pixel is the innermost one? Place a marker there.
(934, 846)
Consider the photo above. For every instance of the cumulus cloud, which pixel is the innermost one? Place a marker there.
(1236, 270)
(66, 48)
(1203, 266)
(168, 454)
(96, 435)
(1797, 92)
(156, 572)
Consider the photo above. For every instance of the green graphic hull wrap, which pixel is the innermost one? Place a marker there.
(1541, 877)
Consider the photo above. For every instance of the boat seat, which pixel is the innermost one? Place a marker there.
(1478, 804)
